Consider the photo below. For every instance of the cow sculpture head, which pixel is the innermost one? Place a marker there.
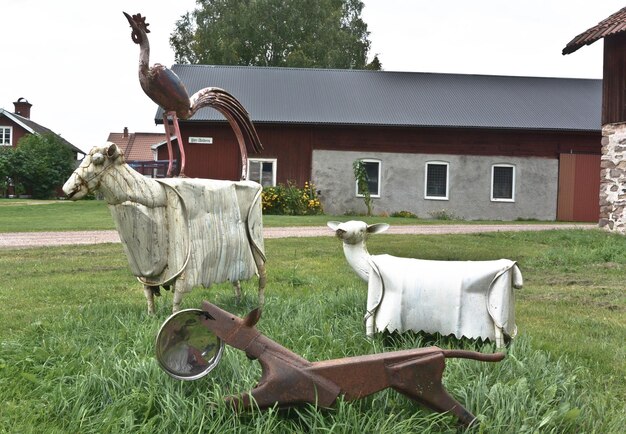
(86, 178)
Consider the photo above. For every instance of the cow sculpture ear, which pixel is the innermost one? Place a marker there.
(377, 227)
(113, 151)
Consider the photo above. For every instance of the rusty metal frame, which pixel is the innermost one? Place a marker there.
(288, 379)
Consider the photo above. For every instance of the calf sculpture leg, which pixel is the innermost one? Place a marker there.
(499, 336)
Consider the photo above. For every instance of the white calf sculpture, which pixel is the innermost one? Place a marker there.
(177, 231)
(474, 299)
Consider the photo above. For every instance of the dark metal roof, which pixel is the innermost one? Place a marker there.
(407, 99)
(616, 23)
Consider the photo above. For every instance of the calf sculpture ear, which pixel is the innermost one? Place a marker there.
(377, 227)
(333, 225)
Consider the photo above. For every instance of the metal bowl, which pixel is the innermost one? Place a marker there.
(185, 348)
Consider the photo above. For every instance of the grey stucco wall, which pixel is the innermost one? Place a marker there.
(469, 197)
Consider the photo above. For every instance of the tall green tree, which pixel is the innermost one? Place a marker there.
(6, 168)
(42, 164)
(291, 33)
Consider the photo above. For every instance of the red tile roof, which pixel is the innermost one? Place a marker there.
(136, 146)
(616, 23)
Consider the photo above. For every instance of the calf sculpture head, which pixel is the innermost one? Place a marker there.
(86, 178)
(355, 232)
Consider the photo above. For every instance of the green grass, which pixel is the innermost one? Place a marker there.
(77, 349)
(19, 215)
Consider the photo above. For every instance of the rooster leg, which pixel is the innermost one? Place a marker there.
(166, 125)
(181, 146)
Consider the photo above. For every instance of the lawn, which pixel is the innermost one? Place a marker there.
(19, 215)
(77, 348)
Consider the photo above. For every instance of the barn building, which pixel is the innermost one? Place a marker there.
(472, 146)
(613, 165)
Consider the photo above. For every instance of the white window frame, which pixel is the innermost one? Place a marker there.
(380, 178)
(4, 127)
(499, 199)
(274, 162)
(438, 163)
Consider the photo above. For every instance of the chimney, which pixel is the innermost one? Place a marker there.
(125, 132)
(22, 107)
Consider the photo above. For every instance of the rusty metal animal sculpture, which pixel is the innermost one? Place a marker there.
(288, 379)
(474, 299)
(166, 89)
(179, 232)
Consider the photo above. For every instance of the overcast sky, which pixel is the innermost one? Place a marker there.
(74, 61)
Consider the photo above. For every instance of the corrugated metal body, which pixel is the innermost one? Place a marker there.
(579, 186)
(612, 25)
(382, 98)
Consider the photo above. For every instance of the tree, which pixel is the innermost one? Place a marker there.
(42, 164)
(290, 33)
(362, 182)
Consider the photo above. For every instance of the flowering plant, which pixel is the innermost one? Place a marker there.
(291, 200)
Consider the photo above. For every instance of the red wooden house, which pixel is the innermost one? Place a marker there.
(17, 124)
(477, 147)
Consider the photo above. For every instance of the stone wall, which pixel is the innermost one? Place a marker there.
(613, 178)
(469, 197)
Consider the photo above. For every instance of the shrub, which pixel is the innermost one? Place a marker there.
(291, 200)
(443, 214)
(41, 164)
(404, 214)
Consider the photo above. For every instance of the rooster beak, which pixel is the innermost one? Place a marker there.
(129, 18)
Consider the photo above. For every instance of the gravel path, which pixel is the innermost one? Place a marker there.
(39, 239)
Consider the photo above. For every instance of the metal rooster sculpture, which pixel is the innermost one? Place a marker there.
(168, 91)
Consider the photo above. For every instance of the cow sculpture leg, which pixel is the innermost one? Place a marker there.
(177, 299)
(237, 289)
(260, 264)
(149, 293)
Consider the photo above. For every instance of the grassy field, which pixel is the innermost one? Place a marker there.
(77, 349)
(21, 215)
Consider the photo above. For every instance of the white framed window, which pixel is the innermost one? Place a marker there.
(436, 180)
(263, 171)
(503, 183)
(373, 168)
(6, 135)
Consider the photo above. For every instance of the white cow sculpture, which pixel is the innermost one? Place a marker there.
(177, 231)
(474, 299)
